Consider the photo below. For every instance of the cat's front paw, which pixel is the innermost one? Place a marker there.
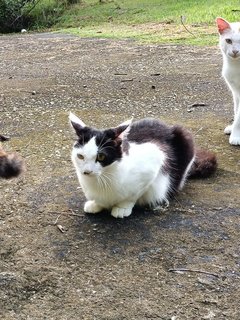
(234, 138)
(92, 207)
(121, 212)
(228, 129)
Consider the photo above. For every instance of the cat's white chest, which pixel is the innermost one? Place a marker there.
(127, 179)
(231, 73)
(103, 189)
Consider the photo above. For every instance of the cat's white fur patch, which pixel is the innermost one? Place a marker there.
(127, 122)
(75, 119)
(184, 178)
(88, 163)
(92, 207)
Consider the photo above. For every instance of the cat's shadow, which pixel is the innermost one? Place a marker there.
(116, 235)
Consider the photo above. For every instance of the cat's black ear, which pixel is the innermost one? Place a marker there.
(122, 129)
(76, 123)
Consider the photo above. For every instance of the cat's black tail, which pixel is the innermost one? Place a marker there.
(11, 166)
(204, 165)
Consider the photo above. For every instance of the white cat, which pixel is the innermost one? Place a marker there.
(144, 162)
(230, 47)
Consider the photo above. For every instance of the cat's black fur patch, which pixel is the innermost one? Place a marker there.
(84, 135)
(10, 166)
(183, 150)
(175, 141)
(110, 146)
(149, 130)
(107, 142)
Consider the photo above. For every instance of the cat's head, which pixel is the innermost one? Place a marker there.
(229, 38)
(95, 149)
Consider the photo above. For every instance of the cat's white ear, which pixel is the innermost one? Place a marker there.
(222, 25)
(123, 129)
(75, 121)
(126, 123)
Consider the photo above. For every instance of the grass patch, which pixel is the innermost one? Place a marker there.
(150, 33)
(154, 21)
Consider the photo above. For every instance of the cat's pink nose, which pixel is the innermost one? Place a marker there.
(235, 52)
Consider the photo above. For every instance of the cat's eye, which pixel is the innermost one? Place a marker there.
(229, 41)
(100, 157)
(80, 156)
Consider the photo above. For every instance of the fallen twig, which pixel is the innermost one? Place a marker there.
(126, 80)
(194, 270)
(60, 228)
(196, 105)
(200, 129)
(186, 27)
(67, 213)
(120, 74)
(199, 104)
(55, 222)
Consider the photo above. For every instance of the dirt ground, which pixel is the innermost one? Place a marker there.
(99, 267)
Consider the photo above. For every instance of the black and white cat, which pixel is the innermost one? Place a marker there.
(145, 162)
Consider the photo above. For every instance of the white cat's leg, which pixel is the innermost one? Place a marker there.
(157, 191)
(92, 207)
(234, 138)
(236, 103)
(123, 209)
(228, 129)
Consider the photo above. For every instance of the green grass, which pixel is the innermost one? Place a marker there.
(155, 21)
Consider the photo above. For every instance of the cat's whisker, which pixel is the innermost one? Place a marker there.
(108, 174)
(102, 140)
(100, 182)
(108, 180)
(105, 148)
(102, 145)
(104, 184)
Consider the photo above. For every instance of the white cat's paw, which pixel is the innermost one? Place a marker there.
(92, 207)
(234, 139)
(121, 212)
(228, 129)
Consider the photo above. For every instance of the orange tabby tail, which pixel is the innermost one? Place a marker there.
(204, 165)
